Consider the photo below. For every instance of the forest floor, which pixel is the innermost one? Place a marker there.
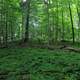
(39, 64)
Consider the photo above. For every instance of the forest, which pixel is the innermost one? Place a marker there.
(39, 39)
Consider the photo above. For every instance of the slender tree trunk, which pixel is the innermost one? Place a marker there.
(6, 30)
(27, 21)
(78, 22)
(47, 3)
(6, 23)
(62, 24)
(57, 23)
(11, 30)
(53, 28)
(48, 16)
(73, 35)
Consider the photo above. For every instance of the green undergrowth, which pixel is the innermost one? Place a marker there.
(39, 64)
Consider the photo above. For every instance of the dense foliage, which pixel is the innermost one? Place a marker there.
(10, 20)
(50, 24)
(39, 64)
(45, 21)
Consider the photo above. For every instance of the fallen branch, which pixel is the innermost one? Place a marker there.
(72, 49)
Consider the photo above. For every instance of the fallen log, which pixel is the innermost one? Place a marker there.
(73, 49)
(65, 48)
(62, 47)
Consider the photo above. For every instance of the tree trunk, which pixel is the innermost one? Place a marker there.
(27, 21)
(78, 22)
(72, 23)
(62, 24)
(57, 21)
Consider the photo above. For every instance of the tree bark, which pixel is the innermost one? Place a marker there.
(72, 23)
(62, 25)
(27, 21)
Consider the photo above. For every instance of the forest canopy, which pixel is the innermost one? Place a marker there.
(42, 21)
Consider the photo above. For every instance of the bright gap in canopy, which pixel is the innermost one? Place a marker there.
(24, 0)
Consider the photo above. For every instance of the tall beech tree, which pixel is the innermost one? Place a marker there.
(73, 35)
(26, 7)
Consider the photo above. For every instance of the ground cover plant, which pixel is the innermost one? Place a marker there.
(39, 64)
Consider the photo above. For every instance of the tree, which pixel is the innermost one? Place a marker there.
(71, 23)
(26, 7)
